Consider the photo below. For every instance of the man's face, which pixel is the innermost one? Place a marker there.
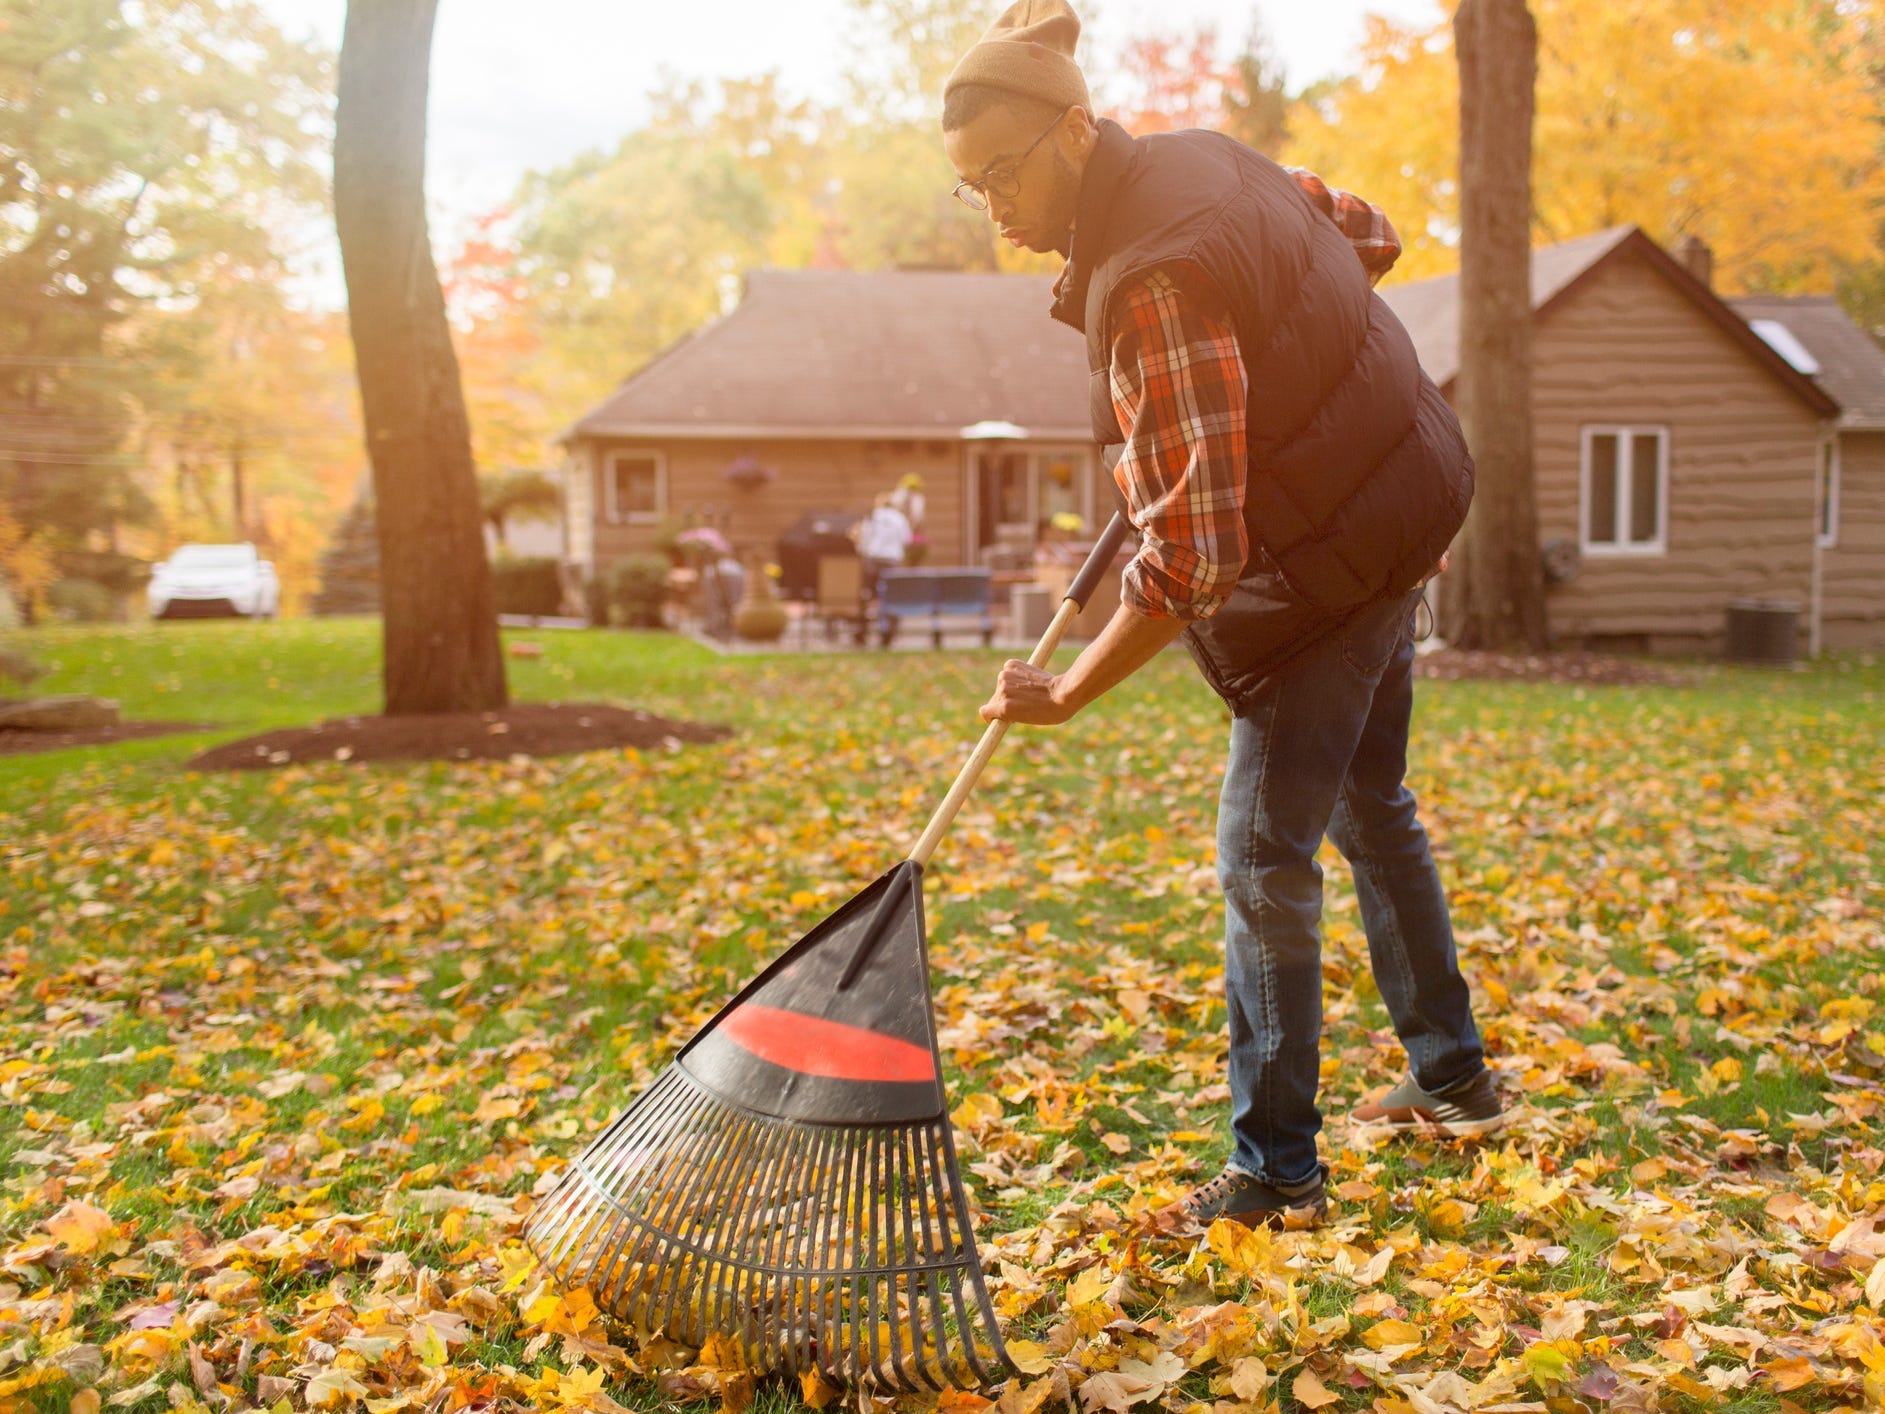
(1043, 176)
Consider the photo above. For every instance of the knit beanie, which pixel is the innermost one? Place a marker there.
(1029, 51)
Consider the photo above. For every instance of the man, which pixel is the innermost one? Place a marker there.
(1295, 479)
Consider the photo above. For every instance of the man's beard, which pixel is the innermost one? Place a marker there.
(1063, 201)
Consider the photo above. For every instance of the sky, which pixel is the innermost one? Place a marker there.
(527, 86)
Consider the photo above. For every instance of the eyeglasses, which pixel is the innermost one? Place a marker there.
(1001, 181)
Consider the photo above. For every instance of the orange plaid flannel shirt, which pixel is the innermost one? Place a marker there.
(1177, 382)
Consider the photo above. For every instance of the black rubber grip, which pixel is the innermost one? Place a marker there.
(1104, 549)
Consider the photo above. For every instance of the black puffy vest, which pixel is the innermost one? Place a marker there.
(1358, 473)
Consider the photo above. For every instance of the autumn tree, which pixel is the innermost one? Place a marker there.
(1495, 595)
(1170, 81)
(1753, 126)
(1256, 102)
(147, 154)
(441, 643)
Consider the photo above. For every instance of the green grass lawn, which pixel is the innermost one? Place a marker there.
(243, 1017)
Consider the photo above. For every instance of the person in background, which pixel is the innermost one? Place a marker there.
(882, 539)
(908, 498)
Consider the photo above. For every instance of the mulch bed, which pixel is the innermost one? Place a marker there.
(1594, 669)
(524, 729)
(17, 743)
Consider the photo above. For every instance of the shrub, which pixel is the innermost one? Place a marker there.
(638, 588)
(527, 585)
(84, 601)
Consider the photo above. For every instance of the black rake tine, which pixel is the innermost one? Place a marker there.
(731, 1178)
(829, 1155)
(952, 1205)
(839, 1235)
(746, 1242)
(893, 1316)
(924, 1303)
(872, 1244)
(911, 1302)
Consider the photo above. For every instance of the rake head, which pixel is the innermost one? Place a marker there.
(790, 1181)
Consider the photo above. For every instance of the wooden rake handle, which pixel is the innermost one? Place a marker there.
(1077, 595)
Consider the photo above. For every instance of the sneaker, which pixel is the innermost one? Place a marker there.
(1468, 1109)
(1243, 1198)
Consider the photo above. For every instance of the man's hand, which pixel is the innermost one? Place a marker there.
(1024, 693)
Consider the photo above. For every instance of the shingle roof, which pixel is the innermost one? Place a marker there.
(1852, 365)
(1430, 309)
(863, 353)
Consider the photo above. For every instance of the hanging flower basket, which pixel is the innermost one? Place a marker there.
(748, 471)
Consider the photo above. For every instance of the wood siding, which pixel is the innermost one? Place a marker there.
(1852, 571)
(1626, 348)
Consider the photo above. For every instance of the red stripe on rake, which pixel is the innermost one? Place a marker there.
(828, 1048)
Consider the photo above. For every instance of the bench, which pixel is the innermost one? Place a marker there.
(943, 598)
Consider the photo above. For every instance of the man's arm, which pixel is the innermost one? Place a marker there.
(1178, 386)
(1365, 224)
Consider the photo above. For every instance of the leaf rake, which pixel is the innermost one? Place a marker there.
(789, 1182)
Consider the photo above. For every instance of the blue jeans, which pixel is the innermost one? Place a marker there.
(1324, 750)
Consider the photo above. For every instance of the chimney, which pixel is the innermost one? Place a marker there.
(1697, 259)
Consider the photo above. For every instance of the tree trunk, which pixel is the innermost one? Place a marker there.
(1494, 597)
(439, 615)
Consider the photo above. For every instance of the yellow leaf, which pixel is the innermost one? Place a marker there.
(1790, 1372)
(1875, 1285)
(1382, 1334)
(815, 1392)
(977, 1109)
(1245, 1250)
(1118, 1143)
(1249, 1378)
(80, 1228)
(721, 1352)
(1449, 1217)
(85, 1402)
(1089, 1288)
(1545, 1363)
(803, 898)
(1726, 1069)
(1310, 1391)
(333, 1389)
(428, 1345)
(493, 1109)
(1030, 1357)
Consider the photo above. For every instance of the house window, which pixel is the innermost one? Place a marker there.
(1016, 489)
(636, 485)
(1829, 494)
(1624, 490)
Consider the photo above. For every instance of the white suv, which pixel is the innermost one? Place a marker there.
(214, 579)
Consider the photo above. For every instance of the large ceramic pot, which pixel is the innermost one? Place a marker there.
(760, 618)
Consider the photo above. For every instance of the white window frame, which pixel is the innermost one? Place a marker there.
(615, 513)
(1626, 435)
(1826, 511)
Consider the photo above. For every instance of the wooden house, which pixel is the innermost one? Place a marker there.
(1688, 456)
(822, 389)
